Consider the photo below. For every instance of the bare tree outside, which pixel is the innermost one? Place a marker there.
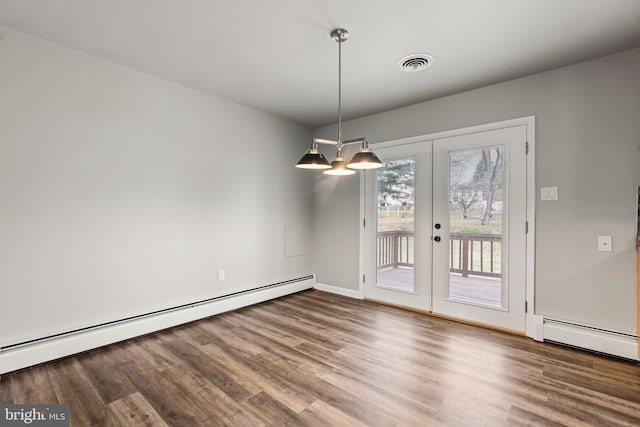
(475, 190)
(489, 175)
(462, 190)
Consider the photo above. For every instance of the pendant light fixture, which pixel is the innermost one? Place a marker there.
(364, 159)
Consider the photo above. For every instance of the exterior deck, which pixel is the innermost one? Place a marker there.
(475, 273)
(482, 290)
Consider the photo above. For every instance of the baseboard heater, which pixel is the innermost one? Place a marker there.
(592, 338)
(31, 352)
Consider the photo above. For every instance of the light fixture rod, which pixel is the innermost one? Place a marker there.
(339, 35)
(339, 91)
(324, 141)
(333, 142)
(360, 140)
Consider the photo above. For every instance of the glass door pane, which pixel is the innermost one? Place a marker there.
(475, 221)
(395, 241)
(397, 213)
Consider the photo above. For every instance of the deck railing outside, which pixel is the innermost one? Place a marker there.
(471, 254)
(395, 249)
(476, 254)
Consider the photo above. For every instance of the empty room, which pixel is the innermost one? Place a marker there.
(319, 213)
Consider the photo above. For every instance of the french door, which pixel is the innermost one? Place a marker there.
(398, 199)
(447, 226)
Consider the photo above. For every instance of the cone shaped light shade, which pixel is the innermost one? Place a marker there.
(339, 167)
(313, 159)
(365, 160)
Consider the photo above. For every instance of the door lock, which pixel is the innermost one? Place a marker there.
(437, 238)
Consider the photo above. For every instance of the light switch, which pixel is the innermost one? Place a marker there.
(549, 193)
(604, 244)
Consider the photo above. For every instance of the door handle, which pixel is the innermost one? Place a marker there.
(437, 238)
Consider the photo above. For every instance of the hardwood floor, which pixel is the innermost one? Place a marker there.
(319, 359)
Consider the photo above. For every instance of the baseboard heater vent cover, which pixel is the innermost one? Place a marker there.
(592, 338)
(30, 352)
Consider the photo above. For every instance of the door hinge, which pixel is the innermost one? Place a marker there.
(526, 147)
(364, 222)
(526, 227)
(363, 278)
(526, 306)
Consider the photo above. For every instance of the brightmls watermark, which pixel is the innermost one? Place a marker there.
(34, 415)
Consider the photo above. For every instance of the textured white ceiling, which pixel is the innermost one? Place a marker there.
(277, 55)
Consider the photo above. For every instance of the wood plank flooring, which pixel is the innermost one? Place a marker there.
(317, 359)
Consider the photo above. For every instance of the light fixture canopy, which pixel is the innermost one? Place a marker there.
(364, 159)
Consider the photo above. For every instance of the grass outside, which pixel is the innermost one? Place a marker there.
(399, 219)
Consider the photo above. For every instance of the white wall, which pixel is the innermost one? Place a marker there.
(335, 235)
(588, 144)
(122, 193)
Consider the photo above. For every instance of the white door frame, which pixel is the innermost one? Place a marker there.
(529, 122)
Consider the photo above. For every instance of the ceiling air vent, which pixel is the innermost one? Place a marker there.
(415, 62)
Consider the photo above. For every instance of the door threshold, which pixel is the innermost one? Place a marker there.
(447, 317)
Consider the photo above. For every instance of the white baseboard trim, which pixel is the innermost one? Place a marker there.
(351, 293)
(32, 353)
(591, 338)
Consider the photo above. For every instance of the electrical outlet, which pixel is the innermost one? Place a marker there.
(221, 275)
